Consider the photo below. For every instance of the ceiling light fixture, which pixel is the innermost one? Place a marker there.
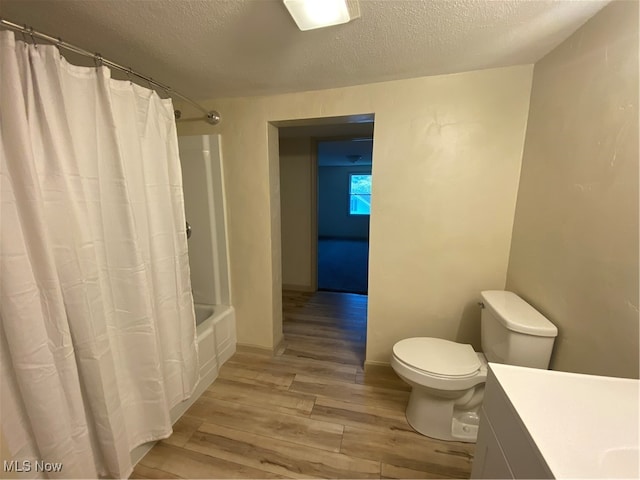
(311, 14)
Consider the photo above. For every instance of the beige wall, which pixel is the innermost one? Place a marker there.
(447, 155)
(575, 241)
(296, 190)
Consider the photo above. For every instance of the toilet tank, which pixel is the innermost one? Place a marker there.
(513, 332)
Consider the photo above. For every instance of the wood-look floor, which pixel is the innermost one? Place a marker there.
(308, 412)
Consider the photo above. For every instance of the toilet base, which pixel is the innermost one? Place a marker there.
(437, 417)
(464, 429)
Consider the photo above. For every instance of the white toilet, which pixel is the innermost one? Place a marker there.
(447, 378)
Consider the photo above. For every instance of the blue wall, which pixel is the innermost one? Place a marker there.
(333, 204)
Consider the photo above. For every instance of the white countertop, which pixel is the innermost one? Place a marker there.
(584, 426)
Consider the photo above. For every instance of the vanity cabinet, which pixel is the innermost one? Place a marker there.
(548, 424)
(504, 448)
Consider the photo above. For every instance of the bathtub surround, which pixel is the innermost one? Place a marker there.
(205, 210)
(574, 253)
(97, 333)
(447, 152)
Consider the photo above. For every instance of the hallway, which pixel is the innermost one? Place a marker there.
(343, 265)
(309, 411)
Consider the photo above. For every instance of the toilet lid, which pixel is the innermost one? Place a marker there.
(438, 356)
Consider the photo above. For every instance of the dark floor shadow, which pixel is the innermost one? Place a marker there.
(343, 265)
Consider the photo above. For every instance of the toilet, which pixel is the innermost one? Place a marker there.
(447, 378)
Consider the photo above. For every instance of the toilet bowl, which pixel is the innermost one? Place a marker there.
(447, 378)
(447, 381)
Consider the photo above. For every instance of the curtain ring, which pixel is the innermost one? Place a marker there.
(33, 40)
(97, 59)
(24, 39)
(128, 72)
(59, 47)
(149, 80)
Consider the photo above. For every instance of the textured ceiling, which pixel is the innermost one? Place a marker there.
(222, 48)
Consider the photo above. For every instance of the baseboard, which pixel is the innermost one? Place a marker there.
(249, 348)
(371, 365)
(298, 288)
(280, 346)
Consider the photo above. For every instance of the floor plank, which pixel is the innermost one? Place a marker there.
(343, 357)
(353, 393)
(279, 457)
(292, 365)
(183, 429)
(377, 376)
(277, 400)
(393, 471)
(327, 318)
(141, 471)
(264, 379)
(365, 417)
(323, 331)
(323, 344)
(409, 450)
(186, 463)
(264, 421)
(310, 411)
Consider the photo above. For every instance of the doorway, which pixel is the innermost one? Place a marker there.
(344, 209)
(325, 178)
(317, 316)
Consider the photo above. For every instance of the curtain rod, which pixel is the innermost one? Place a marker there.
(211, 116)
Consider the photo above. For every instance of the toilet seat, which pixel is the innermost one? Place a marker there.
(474, 363)
(438, 357)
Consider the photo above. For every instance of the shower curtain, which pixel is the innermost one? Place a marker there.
(97, 337)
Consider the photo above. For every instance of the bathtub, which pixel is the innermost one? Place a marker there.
(216, 333)
(203, 312)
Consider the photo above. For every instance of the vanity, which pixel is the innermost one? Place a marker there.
(549, 424)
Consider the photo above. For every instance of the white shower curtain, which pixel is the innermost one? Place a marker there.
(97, 336)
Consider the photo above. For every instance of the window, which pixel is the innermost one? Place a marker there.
(359, 194)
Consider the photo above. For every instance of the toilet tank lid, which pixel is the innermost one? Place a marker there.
(517, 315)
